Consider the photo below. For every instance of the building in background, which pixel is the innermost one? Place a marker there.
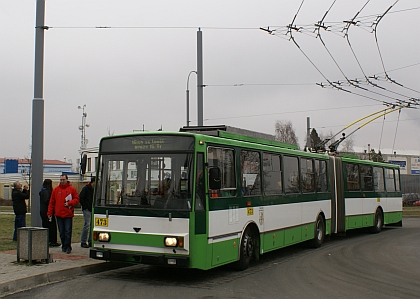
(407, 160)
(16, 169)
(17, 165)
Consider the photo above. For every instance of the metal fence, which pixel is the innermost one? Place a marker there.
(410, 187)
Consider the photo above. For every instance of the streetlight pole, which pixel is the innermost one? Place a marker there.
(200, 84)
(188, 98)
(37, 155)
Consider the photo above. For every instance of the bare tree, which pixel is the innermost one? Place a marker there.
(327, 135)
(285, 132)
(347, 145)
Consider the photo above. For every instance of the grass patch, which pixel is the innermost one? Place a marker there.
(411, 211)
(7, 226)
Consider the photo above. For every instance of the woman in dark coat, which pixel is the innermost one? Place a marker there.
(44, 200)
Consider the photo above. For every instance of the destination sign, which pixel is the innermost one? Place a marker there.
(146, 143)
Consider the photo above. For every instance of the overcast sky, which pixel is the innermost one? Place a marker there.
(134, 75)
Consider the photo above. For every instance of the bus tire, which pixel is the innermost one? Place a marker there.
(319, 233)
(378, 222)
(246, 250)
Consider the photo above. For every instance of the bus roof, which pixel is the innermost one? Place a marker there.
(238, 134)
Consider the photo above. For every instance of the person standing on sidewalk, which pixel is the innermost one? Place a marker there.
(86, 198)
(19, 206)
(44, 200)
(63, 199)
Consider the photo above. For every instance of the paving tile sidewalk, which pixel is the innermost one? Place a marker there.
(18, 276)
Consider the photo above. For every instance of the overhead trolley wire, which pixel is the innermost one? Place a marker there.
(291, 28)
(374, 28)
(357, 83)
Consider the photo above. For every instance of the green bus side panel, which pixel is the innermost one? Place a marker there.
(272, 240)
(354, 221)
(393, 217)
(308, 231)
(368, 220)
(225, 252)
(282, 238)
(328, 227)
(292, 235)
(202, 252)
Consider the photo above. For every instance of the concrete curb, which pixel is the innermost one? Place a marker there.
(22, 284)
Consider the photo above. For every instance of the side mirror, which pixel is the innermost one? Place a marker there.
(215, 182)
(83, 162)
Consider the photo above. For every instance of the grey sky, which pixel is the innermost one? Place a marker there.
(135, 73)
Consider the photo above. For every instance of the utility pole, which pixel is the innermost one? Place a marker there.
(308, 133)
(200, 85)
(38, 114)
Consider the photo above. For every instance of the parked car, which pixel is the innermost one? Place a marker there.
(409, 199)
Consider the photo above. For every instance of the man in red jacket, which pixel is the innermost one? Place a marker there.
(63, 199)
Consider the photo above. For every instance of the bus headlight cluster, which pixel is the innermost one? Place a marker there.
(174, 241)
(101, 236)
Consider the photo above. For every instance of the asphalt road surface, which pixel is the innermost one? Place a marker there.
(360, 265)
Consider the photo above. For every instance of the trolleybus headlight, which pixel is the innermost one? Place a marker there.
(174, 241)
(171, 241)
(104, 237)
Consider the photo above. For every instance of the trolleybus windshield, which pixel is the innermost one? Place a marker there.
(136, 174)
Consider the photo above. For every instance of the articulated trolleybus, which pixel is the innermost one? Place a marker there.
(208, 196)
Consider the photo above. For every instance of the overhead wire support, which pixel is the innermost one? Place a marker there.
(366, 78)
(363, 83)
(292, 27)
(320, 25)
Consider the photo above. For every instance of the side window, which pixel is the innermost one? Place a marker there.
(352, 171)
(250, 168)
(390, 180)
(307, 175)
(397, 180)
(378, 179)
(89, 164)
(224, 159)
(272, 174)
(366, 177)
(321, 171)
(291, 174)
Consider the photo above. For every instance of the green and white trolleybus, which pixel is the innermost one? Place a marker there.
(208, 196)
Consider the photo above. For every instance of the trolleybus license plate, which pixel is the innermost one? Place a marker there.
(101, 221)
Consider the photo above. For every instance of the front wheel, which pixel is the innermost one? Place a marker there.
(378, 223)
(319, 233)
(246, 250)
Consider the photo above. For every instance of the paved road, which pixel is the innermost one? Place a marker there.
(386, 265)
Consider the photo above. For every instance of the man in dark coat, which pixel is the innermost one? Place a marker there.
(19, 206)
(86, 198)
(44, 200)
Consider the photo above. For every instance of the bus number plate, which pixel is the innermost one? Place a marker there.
(250, 211)
(101, 221)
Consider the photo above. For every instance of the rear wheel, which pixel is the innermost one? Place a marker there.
(246, 250)
(319, 233)
(378, 222)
